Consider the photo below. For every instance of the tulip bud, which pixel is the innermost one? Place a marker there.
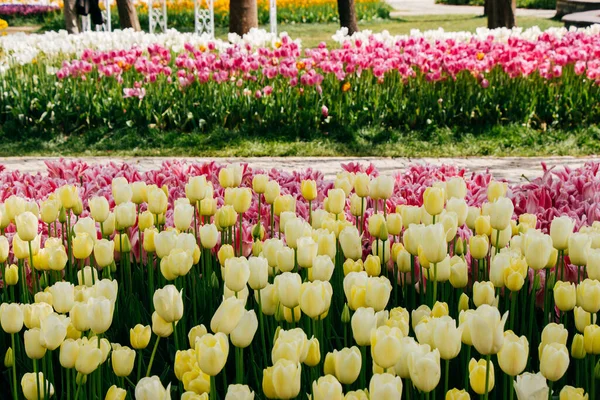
(477, 376)
(108, 227)
(121, 243)
(578, 347)
(9, 359)
(463, 302)
(11, 275)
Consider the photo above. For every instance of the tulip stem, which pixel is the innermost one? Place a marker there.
(546, 297)
(497, 240)
(310, 212)
(362, 214)
(446, 376)
(487, 377)
(37, 378)
(213, 388)
(550, 385)
(434, 284)
(513, 304)
(593, 377)
(272, 220)
(139, 367)
(175, 336)
(413, 291)
(262, 328)
(467, 358)
(14, 366)
(241, 235)
(239, 365)
(363, 370)
(35, 285)
(152, 357)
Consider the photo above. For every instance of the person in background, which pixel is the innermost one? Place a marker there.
(71, 16)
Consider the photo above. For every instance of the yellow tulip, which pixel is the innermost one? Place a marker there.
(456, 394)
(554, 361)
(579, 246)
(363, 322)
(125, 215)
(327, 388)
(89, 358)
(152, 389)
(115, 393)
(561, 229)
(29, 386)
(565, 295)
(571, 393)
(433, 200)
(424, 368)
(385, 346)
(288, 289)
(315, 298)
(588, 295)
(483, 293)
(11, 318)
(486, 329)
(531, 386)
(513, 355)
(11, 277)
(344, 364)
(123, 359)
(286, 379)
(477, 376)
(104, 253)
(591, 339)
(496, 190)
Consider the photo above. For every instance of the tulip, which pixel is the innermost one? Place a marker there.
(123, 359)
(327, 387)
(168, 303)
(433, 200)
(565, 295)
(104, 253)
(307, 250)
(183, 216)
(209, 236)
(30, 384)
(500, 214)
(27, 226)
(591, 339)
(561, 229)
(424, 368)
(288, 289)
(344, 364)
(315, 298)
(53, 331)
(100, 314)
(479, 376)
(483, 293)
(479, 246)
(115, 393)
(152, 389)
(447, 337)
(11, 318)
(69, 350)
(239, 392)
(583, 318)
(11, 275)
(363, 322)
(350, 241)
(377, 293)
(286, 379)
(322, 269)
(125, 215)
(228, 315)
(571, 393)
(237, 273)
(385, 387)
(531, 387)
(89, 358)
(160, 327)
(381, 187)
(537, 251)
(554, 361)
(245, 330)
(579, 246)
(459, 273)
(513, 355)
(588, 295)
(108, 227)
(285, 259)
(385, 346)
(496, 190)
(487, 329)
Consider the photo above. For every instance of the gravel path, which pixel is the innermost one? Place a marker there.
(429, 7)
(510, 168)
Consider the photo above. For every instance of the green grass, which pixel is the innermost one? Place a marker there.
(510, 140)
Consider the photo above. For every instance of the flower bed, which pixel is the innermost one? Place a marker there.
(197, 280)
(263, 82)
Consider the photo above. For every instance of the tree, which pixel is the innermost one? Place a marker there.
(243, 16)
(501, 13)
(347, 13)
(127, 15)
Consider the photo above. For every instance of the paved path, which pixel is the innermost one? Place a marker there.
(429, 7)
(511, 168)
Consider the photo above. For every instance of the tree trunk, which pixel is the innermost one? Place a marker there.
(501, 13)
(486, 7)
(347, 13)
(243, 16)
(127, 15)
